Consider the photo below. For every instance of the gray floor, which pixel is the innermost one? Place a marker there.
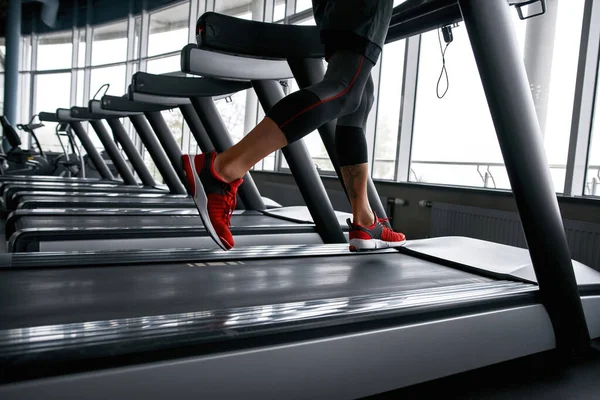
(528, 378)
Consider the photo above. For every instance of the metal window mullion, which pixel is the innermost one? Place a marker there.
(210, 5)
(407, 108)
(583, 106)
(144, 38)
(192, 21)
(74, 60)
(269, 10)
(87, 74)
(301, 16)
(32, 96)
(371, 128)
(34, 50)
(290, 8)
(201, 10)
(130, 48)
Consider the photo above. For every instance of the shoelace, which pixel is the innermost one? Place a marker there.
(230, 201)
(385, 222)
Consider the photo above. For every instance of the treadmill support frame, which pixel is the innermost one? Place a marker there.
(511, 105)
(304, 172)
(220, 138)
(114, 153)
(132, 153)
(308, 72)
(167, 140)
(91, 151)
(158, 154)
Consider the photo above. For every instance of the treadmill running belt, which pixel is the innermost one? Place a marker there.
(60, 296)
(128, 221)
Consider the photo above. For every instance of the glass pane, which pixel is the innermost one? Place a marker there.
(81, 49)
(592, 185)
(109, 44)
(164, 65)
(168, 29)
(308, 22)
(51, 92)
(137, 32)
(454, 140)
(233, 112)
(240, 8)
(279, 11)
(562, 88)
(1, 93)
(24, 97)
(302, 5)
(80, 86)
(176, 123)
(25, 59)
(114, 76)
(388, 113)
(55, 51)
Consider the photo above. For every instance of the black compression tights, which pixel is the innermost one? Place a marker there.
(345, 93)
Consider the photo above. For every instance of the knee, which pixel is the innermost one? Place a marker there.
(350, 101)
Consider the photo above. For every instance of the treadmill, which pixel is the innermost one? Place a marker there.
(13, 137)
(114, 229)
(34, 200)
(282, 321)
(7, 189)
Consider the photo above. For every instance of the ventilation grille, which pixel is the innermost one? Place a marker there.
(505, 227)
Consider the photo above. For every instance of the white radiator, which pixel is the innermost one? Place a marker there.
(505, 227)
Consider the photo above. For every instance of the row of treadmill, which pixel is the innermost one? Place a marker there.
(110, 286)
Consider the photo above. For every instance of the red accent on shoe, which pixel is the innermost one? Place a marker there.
(221, 195)
(356, 234)
(389, 235)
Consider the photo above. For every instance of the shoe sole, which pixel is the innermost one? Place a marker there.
(201, 201)
(358, 245)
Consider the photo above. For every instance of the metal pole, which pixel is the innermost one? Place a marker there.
(308, 72)
(114, 153)
(585, 99)
(11, 63)
(539, 52)
(196, 127)
(129, 148)
(306, 176)
(168, 142)
(505, 83)
(91, 151)
(158, 154)
(219, 136)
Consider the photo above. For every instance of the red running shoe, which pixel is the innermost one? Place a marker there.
(377, 236)
(215, 199)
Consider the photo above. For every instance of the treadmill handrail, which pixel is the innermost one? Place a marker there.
(202, 62)
(272, 41)
(176, 86)
(95, 107)
(85, 114)
(157, 99)
(64, 115)
(122, 104)
(48, 117)
(133, 95)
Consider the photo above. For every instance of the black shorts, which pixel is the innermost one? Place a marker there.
(353, 25)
